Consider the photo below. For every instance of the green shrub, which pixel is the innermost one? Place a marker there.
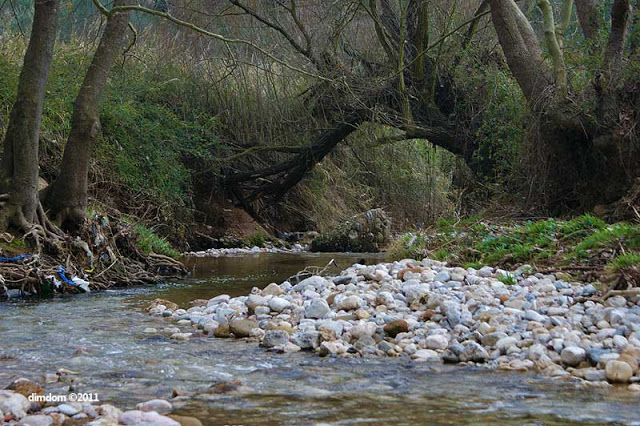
(508, 279)
(149, 242)
(258, 239)
(441, 254)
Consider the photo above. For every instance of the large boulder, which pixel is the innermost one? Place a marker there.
(366, 232)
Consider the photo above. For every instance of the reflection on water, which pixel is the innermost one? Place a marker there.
(235, 276)
(100, 336)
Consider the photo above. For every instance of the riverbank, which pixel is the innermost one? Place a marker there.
(426, 311)
(111, 250)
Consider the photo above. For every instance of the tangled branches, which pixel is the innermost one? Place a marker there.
(105, 255)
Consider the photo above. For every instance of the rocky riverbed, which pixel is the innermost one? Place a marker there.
(427, 311)
(218, 252)
(18, 406)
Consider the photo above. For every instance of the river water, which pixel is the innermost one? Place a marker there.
(100, 336)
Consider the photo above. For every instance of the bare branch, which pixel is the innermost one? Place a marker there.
(273, 25)
(208, 34)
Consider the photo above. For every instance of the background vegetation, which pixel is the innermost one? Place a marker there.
(178, 114)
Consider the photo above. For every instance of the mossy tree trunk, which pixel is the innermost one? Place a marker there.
(584, 160)
(19, 170)
(588, 16)
(67, 196)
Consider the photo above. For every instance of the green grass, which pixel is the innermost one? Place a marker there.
(441, 254)
(623, 261)
(474, 243)
(621, 233)
(15, 247)
(408, 246)
(148, 241)
(508, 279)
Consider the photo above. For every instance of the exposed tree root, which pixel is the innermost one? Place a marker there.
(104, 254)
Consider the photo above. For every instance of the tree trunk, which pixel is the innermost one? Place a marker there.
(588, 17)
(521, 48)
(20, 159)
(552, 35)
(606, 83)
(67, 197)
(620, 16)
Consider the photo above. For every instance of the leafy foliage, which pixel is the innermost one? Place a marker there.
(259, 239)
(149, 242)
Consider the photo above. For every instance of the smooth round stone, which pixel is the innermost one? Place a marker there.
(436, 341)
(506, 342)
(67, 410)
(317, 309)
(275, 338)
(573, 355)
(595, 375)
(618, 372)
(181, 336)
(272, 289)
(37, 420)
(425, 355)
(243, 327)
(158, 405)
(278, 304)
(262, 310)
(134, 417)
(473, 352)
(350, 303)
(396, 327)
(363, 328)
(442, 276)
(620, 341)
(533, 316)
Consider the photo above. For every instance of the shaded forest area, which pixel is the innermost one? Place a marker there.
(303, 113)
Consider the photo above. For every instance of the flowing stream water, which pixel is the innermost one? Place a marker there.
(100, 336)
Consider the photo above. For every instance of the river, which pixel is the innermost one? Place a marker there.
(100, 336)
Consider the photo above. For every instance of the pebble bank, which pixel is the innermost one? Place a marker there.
(427, 311)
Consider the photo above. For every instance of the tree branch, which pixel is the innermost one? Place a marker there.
(208, 34)
(620, 16)
(588, 17)
(304, 51)
(551, 40)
